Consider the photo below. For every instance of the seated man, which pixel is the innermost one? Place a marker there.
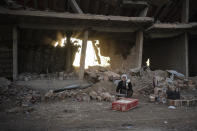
(124, 86)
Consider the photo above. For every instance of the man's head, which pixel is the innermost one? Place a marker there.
(124, 77)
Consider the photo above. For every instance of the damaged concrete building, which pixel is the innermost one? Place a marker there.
(129, 32)
(64, 64)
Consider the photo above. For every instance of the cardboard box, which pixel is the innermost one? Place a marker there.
(124, 104)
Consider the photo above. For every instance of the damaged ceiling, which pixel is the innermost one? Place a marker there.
(161, 10)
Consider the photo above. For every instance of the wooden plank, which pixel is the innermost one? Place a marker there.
(83, 55)
(72, 16)
(76, 27)
(75, 7)
(156, 35)
(15, 53)
(185, 11)
(170, 30)
(172, 26)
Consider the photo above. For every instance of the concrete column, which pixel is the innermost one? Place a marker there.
(15, 53)
(185, 19)
(139, 40)
(186, 55)
(83, 55)
(139, 48)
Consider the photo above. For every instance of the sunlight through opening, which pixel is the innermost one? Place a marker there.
(91, 57)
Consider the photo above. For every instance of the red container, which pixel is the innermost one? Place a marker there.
(124, 104)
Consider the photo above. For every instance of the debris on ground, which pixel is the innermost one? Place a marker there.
(152, 84)
(17, 96)
(158, 84)
(101, 91)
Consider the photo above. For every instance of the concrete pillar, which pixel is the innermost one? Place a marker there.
(15, 53)
(186, 55)
(83, 55)
(139, 48)
(185, 19)
(139, 40)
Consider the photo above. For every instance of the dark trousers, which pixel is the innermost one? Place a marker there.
(128, 93)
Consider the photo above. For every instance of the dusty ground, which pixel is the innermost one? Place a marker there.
(72, 115)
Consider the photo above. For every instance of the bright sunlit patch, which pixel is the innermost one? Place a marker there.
(91, 59)
(56, 44)
(148, 62)
(63, 42)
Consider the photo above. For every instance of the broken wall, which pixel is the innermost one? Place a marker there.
(37, 53)
(166, 53)
(122, 53)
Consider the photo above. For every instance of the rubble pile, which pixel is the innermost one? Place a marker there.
(143, 81)
(98, 73)
(155, 84)
(101, 91)
(18, 97)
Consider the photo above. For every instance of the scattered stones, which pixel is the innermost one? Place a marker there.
(12, 95)
(101, 91)
(93, 95)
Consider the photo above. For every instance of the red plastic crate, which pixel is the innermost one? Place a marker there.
(124, 104)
